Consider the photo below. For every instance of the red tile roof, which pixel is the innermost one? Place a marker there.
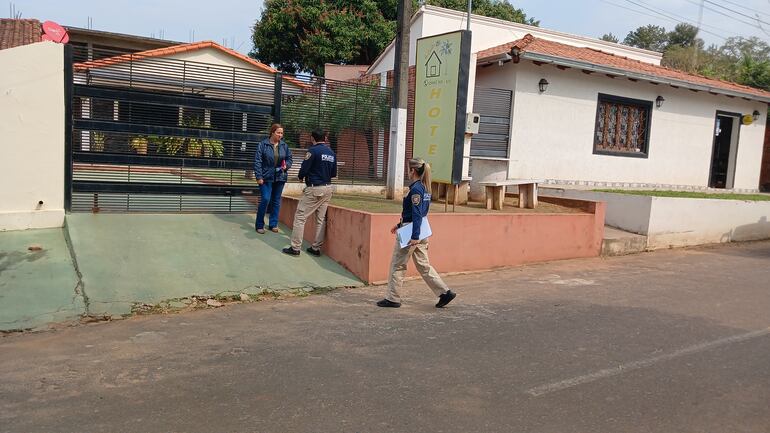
(590, 56)
(14, 33)
(182, 48)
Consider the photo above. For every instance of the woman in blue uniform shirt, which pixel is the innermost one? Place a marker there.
(415, 208)
(271, 162)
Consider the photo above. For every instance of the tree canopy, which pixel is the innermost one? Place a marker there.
(649, 37)
(609, 37)
(303, 35)
(738, 59)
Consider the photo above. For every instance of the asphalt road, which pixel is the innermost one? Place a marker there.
(671, 341)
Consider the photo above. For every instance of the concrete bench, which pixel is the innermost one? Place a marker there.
(495, 192)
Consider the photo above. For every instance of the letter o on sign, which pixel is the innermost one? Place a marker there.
(434, 112)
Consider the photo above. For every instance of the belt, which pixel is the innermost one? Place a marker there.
(317, 184)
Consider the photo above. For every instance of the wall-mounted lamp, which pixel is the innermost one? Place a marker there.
(542, 85)
(659, 101)
(755, 115)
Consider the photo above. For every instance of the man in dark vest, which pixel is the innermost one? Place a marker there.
(317, 171)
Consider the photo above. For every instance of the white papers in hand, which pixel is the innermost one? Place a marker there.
(404, 234)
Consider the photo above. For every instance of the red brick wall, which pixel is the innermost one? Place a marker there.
(409, 113)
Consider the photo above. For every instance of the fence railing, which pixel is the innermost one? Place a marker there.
(153, 123)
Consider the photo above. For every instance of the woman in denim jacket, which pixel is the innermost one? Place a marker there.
(271, 163)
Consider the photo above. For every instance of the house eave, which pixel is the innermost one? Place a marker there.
(635, 75)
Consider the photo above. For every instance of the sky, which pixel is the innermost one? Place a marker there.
(228, 22)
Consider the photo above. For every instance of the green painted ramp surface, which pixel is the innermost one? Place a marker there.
(37, 287)
(148, 258)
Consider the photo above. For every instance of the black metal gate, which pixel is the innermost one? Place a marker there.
(153, 133)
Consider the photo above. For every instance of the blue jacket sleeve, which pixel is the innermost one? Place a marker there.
(304, 169)
(258, 162)
(289, 160)
(416, 217)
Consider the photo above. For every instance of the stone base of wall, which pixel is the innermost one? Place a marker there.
(589, 184)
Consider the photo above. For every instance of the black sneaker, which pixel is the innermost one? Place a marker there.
(313, 252)
(445, 298)
(389, 304)
(290, 251)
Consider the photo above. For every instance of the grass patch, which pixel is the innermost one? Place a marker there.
(379, 204)
(368, 203)
(691, 194)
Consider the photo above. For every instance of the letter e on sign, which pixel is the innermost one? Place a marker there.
(432, 149)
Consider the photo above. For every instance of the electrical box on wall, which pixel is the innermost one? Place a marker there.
(472, 123)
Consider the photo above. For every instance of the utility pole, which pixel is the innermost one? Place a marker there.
(468, 26)
(695, 43)
(397, 147)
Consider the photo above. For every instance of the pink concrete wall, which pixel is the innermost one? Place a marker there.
(362, 243)
(347, 235)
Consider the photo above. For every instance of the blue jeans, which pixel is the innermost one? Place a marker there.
(271, 195)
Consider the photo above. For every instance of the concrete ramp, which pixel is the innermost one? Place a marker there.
(147, 258)
(38, 282)
(617, 242)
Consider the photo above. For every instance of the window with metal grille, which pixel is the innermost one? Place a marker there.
(622, 126)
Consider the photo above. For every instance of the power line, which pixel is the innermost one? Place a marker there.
(727, 15)
(686, 20)
(629, 9)
(738, 13)
(672, 18)
(657, 17)
(634, 10)
(747, 8)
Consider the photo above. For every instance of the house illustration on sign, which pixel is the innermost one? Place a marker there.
(433, 66)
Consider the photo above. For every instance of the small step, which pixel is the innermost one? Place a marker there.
(618, 242)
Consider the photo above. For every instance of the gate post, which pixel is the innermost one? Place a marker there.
(277, 97)
(68, 83)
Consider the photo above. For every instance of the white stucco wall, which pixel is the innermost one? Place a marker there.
(490, 32)
(624, 211)
(680, 222)
(32, 136)
(675, 222)
(552, 133)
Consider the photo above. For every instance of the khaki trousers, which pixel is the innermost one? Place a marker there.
(419, 254)
(314, 199)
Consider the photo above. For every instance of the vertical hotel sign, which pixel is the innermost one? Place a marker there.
(440, 102)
